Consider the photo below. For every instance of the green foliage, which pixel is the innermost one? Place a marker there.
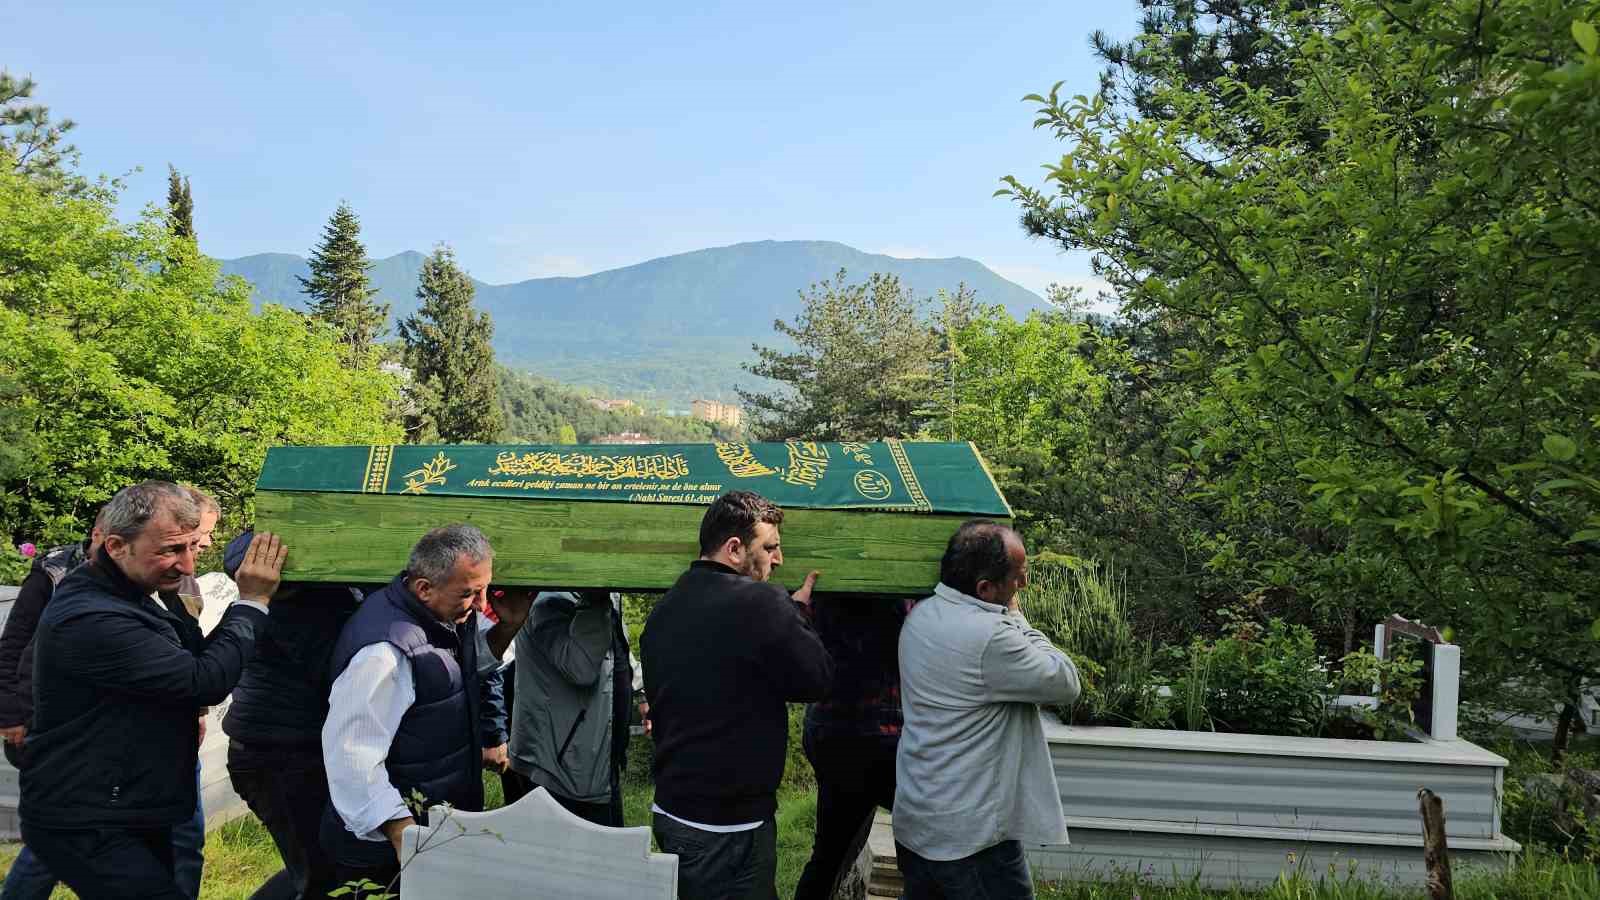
(536, 410)
(340, 292)
(1376, 253)
(1084, 611)
(127, 358)
(860, 370)
(1255, 679)
(180, 204)
(447, 348)
(32, 144)
(1399, 682)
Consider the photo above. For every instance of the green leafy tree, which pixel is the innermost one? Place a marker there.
(180, 204)
(1389, 335)
(340, 291)
(31, 143)
(125, 357)
(448, 350)
(861, 367)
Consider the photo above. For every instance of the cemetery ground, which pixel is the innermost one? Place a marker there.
(240, 854)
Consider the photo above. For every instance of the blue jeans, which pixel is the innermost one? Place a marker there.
(29, 878)
(189, 844)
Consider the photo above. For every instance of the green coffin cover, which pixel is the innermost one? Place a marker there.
(948, 478)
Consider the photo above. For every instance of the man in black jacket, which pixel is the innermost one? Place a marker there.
(117, 687)
(274, 726)
(723, 653)
(30, 879)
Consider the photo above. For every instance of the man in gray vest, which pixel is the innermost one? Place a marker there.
(973, 778)
(572, 704)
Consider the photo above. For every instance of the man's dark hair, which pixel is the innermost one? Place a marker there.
(735, 514)
(976, 552)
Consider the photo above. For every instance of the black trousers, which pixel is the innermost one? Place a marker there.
(516, 786)
(738, 865)
(999, 872)
(287, 790)
(855, 776)
(109, 864)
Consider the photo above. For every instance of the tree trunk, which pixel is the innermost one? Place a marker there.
(1435, 854)
(1564, 725)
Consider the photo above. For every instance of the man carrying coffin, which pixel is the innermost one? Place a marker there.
(404, 712)
(117, 685)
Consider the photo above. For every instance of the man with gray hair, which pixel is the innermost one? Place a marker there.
(117, 684)
(974, 785)
(404, 712)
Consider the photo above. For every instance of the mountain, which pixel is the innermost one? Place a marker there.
(666, 330)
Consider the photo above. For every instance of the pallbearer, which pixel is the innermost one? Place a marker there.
(405, 709)
(724, 652)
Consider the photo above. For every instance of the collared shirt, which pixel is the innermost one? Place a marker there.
(365, 706)
(973, 768)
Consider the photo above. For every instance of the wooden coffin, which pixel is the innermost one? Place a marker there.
(873, 517)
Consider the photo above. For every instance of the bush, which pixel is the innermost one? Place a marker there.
(1257, 679)
(1085, 612)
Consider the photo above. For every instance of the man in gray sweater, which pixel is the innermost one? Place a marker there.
(974, 782)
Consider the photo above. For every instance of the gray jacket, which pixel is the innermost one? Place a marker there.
(563, 726)
(973, 768)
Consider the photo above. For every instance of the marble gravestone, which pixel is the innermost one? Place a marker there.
(532, 848)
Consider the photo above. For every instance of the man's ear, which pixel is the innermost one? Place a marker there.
(421, 586)
(734, 547)
(116, 546)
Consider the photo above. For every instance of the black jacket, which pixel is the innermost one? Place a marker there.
(723, 655)
(282, 698)
(118, 684)
(16, 643)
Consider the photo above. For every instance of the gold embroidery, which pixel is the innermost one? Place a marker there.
(742, 462)
(431, 474)
(583, 465)
(808, 462)
(857, 451)
(378, 461)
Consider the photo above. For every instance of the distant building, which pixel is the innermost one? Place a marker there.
(625, 437)
(717, 411)
(613, 405)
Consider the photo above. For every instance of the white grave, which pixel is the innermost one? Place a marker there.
(532, 848)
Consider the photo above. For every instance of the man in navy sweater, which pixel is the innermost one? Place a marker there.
(118, 683)
(724, 652)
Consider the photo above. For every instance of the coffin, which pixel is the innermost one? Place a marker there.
(872, 517)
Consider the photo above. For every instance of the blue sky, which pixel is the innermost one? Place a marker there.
(564, 139)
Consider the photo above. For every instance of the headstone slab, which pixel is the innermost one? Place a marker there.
(532, 848)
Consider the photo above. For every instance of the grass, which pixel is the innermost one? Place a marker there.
(240, 856)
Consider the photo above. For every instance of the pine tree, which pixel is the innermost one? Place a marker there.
(180, 204)
(340, 291)
(448, 352)
(31, 143)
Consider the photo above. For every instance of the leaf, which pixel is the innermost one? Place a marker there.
(1588, 534)
(1556, 484)
(1559, 447)
(1584, 33)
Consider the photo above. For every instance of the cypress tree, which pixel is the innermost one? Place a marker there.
(450, 357)
(180, 204)
(340, 292)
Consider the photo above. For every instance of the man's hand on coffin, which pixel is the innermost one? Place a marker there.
(262, 568)
(802, 596)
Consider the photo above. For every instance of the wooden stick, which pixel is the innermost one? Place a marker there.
(1435, 854)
